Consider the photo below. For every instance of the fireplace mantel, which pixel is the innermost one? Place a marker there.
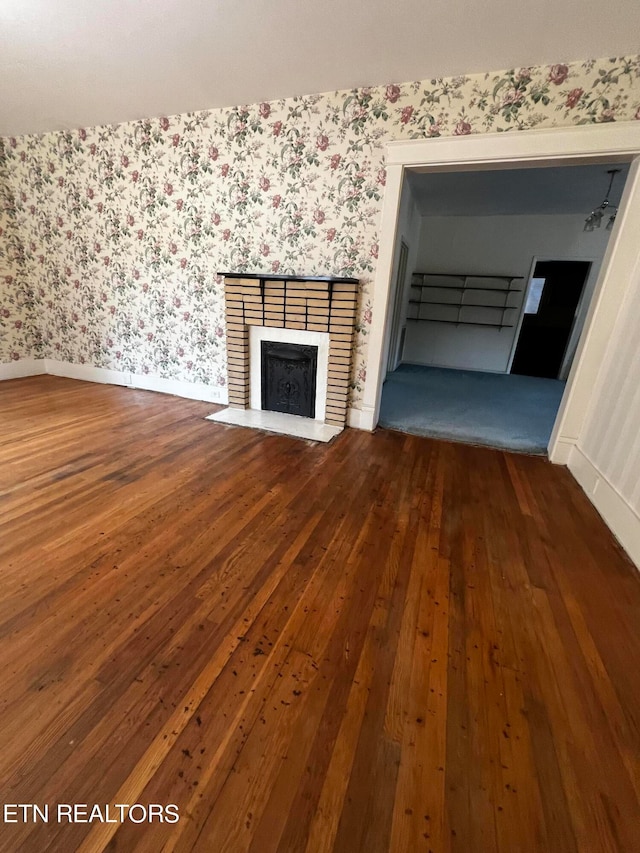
(274, 277)
(325, 304)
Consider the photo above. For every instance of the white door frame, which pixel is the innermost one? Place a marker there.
(606, 143)
(395, 318)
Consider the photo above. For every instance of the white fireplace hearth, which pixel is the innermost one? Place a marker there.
(283, 424)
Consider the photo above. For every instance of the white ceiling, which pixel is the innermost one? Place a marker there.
(563, 189)
(71, 63)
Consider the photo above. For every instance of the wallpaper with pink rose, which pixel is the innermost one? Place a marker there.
(112, 236)
(19, 323)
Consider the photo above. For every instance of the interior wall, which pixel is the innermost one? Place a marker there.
(126, 227)
(498, 245)
(19, 326)
(606, 458)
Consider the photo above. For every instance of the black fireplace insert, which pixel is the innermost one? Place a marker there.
(289, 378)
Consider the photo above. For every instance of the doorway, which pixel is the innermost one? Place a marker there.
(549, 314)
(487, 324)
(567, 146)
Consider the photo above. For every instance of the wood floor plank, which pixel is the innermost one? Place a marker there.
(387, 643)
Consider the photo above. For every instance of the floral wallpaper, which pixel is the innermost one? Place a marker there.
(19, 326)
(114, 234)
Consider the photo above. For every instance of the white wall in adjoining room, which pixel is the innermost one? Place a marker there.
(407, 231)
(494, 245)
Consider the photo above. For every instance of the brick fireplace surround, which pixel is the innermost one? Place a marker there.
(289, 302)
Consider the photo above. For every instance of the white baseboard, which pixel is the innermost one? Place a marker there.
(621, 518)
(560, 453)
(353, 418)
(190, 390)
(24, 367)
(88, 373)
(360, 419)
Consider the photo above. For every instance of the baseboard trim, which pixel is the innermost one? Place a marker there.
(190, 390)
(560, 453)
(21, 368)
(361, 419)
(175, 387)
(620, 517)
(87, 372)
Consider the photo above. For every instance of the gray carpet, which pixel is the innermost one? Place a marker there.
(495, 409)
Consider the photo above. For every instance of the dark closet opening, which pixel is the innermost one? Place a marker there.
(549, 314)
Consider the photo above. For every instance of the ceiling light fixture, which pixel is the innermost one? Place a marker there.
(594, 219)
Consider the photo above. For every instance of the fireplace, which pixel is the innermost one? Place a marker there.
(318, 372)
(288, 373)
(305, 327)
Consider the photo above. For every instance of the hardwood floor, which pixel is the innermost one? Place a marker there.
(388, 643)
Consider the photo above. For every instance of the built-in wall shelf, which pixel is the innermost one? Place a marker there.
(429, 300)
(462, 287)
(463, 322)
